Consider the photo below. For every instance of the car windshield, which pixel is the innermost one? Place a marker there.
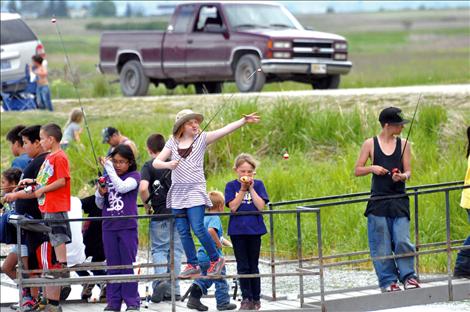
(249, 15)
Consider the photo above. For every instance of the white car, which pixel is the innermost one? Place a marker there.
(18, 45)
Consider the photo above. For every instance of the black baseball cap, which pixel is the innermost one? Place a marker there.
(108, 132)
(392, 115)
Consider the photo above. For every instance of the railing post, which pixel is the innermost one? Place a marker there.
(320, 262)
(416, 232)
(172, 263)
(449, 250)
(19, 275)
(273, 258)
(300, 256)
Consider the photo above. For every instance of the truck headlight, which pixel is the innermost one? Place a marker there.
(281, 54)
(282, 44)
(340, 56)
(341, 46)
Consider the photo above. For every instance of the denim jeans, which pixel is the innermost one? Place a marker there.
(160, 239)
(462, 263)
(222, 296)
(43, 97)
(389, 236)
(195, 219)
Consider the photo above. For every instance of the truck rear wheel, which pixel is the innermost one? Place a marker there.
(209, 87)
(247, 76)
(328, 82)
(133, 80)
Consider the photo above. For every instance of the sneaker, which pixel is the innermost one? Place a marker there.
(195, 303)
(256, 305)
(40, 303)
(411, 283)
(226, 307)
(190, 271)
(216, 267)
(87, 291)
(392, 287)
(108, 308)
(133, 308)
(159, 292)
(246, 305)
(53, 308)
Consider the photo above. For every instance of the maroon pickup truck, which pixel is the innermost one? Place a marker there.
(208, 43)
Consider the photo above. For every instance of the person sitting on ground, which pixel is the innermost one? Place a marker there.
(213, 224)
(72, 128)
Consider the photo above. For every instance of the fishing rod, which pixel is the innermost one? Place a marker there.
(67, 60)
(396, 170)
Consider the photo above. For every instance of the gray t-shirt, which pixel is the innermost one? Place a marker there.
(69, 131)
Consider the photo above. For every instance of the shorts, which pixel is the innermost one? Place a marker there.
(46, 257)
(24, 250)
(60, 233)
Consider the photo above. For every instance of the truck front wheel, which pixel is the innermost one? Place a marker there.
(133, 80)
(328, 82)
(247, 76)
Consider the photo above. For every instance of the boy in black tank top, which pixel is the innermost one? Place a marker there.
(388, 220)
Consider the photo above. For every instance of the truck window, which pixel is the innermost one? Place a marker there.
(183, 18)
(207, 15)
(16, 31)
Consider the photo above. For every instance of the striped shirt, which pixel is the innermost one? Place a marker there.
(188, 184)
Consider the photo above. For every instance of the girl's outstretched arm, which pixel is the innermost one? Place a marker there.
(213, 136)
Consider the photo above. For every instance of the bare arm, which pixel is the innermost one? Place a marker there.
(57, 184)
(160, 161)
(257, 200)
(236, 202)
(213, 136)
(215, 238)
(406, 174)
(145, 194)
(361, 169)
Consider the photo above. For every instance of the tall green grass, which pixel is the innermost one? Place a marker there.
(323, 142)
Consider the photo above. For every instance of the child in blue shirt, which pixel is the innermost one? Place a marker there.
(247, 194)
(214, 226)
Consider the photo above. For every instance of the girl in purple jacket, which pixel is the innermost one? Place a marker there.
(120, 238)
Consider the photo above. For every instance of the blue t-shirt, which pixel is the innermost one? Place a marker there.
(250, 224)
(211, 221)
(21, 161)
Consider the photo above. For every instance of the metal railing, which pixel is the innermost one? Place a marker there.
(305, 266)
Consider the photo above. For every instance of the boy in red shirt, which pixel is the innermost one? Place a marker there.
(53, 194)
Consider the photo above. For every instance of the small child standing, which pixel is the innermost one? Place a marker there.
(72, 128)
(187, 194)
(200, 286)
(53, 194)
(43, 94)
(247, 194)
(120, 237)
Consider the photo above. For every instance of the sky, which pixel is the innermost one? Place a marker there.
(150, 7)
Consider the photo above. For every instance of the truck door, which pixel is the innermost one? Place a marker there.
(174, 42)
(208, 49)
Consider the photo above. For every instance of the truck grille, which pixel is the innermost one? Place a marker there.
(304, 48)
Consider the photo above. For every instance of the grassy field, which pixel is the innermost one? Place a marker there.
(386, 48)
(323, 135)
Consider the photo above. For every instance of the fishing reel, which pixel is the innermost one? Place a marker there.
(156, 186)
(101, 181)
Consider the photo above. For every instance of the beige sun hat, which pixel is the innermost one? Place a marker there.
(185, 115)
